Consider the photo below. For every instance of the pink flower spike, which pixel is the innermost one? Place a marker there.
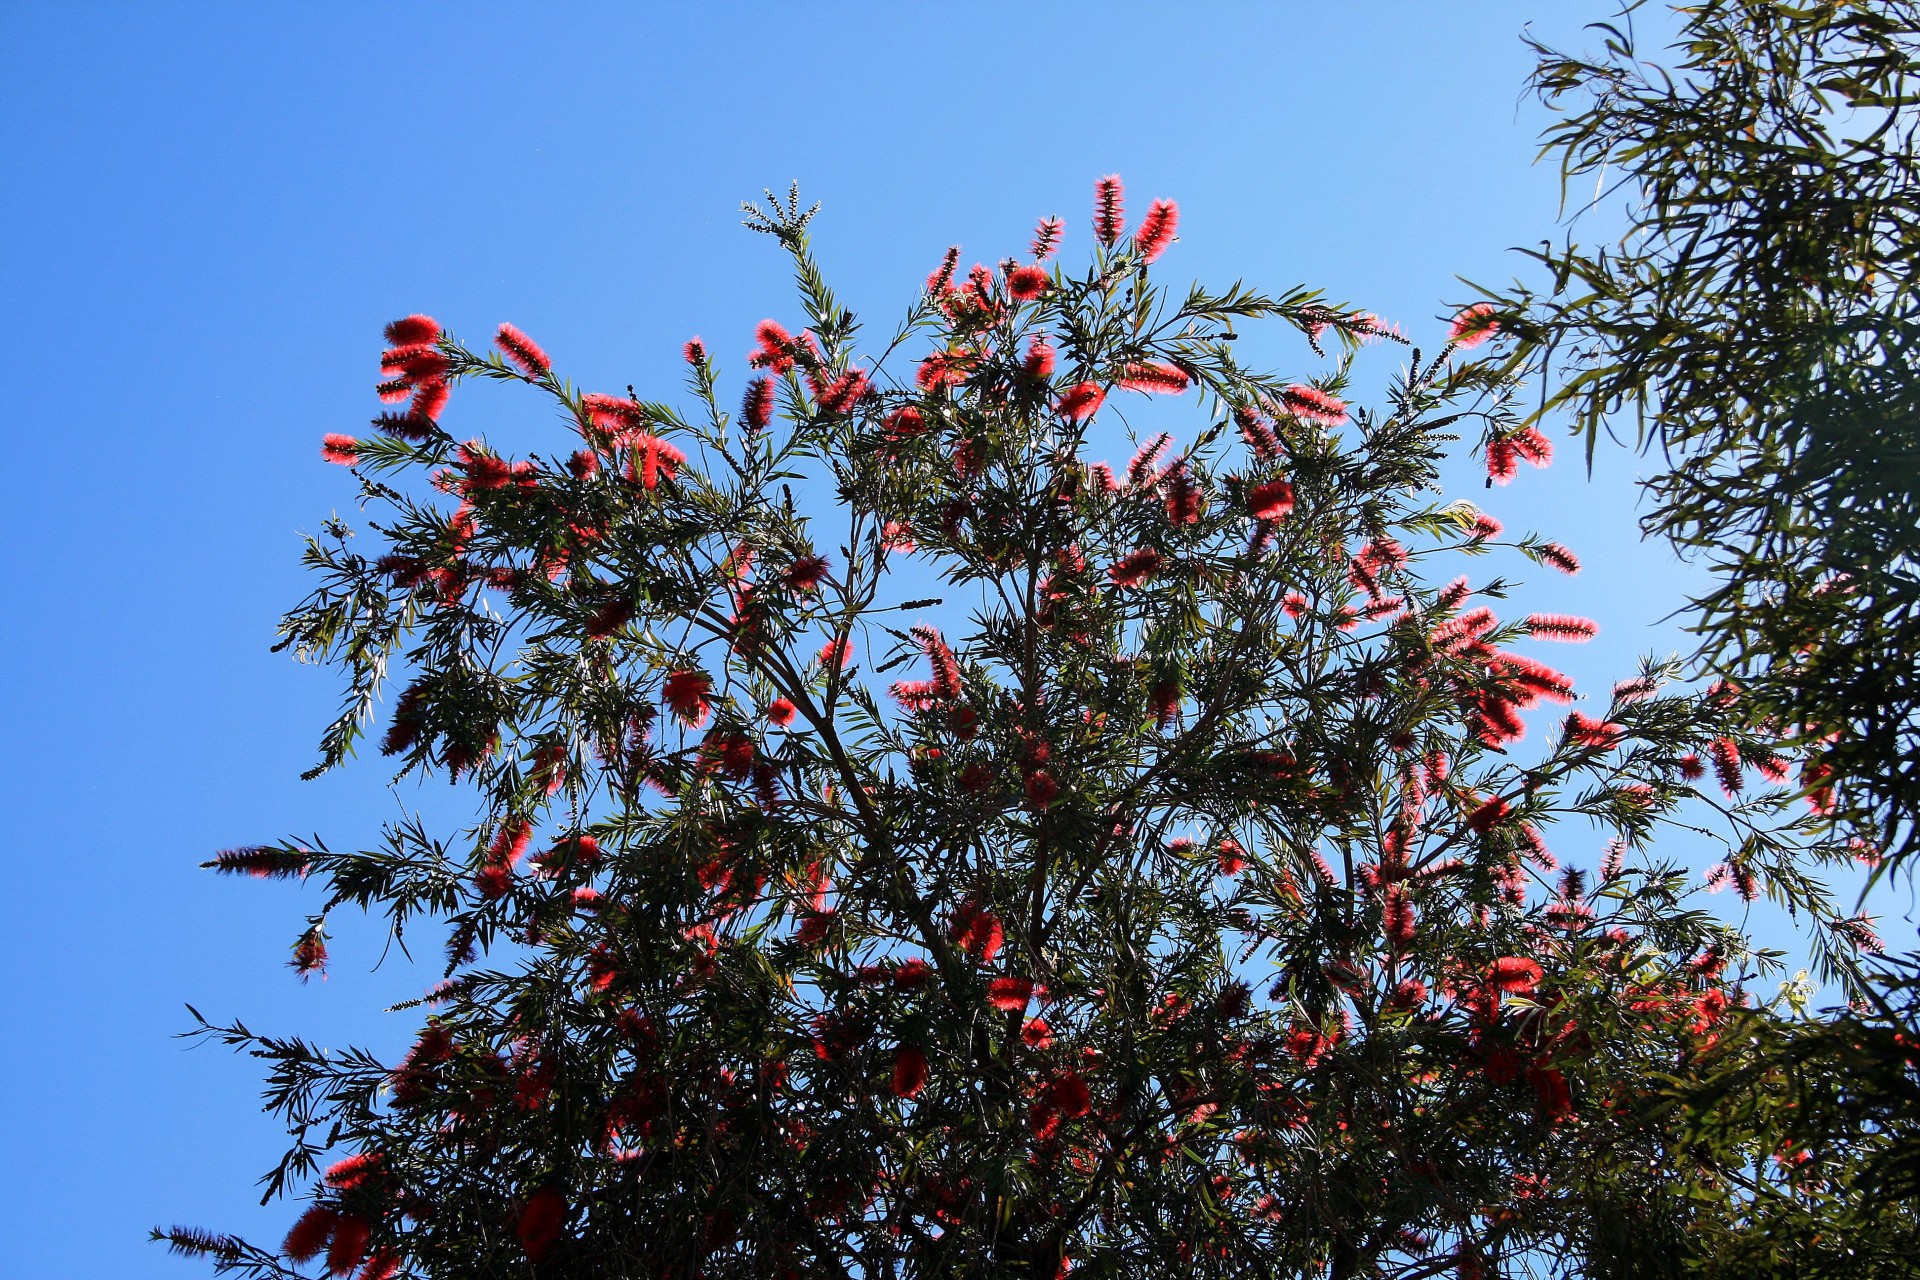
(523, 351)
(1473, 326)
(1156, 230)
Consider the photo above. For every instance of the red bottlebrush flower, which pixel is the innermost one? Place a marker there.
(1164, 701)
(756, 407)
(805, 572)
(1155, 376)
(261, 861)
(1103, 481)
(896, 535)
(686, 693)
(584, 464)
(943, 369)
(1069, 1095)
(1157, 230)
(1487, 815)
(656, 457)
(1588, 732)
(1725, 755)
(776, 347)
(430, 399)
(942, 278)
(310, 954)
(311, 1233)
(1484, 527)
(1561, 626)
(413, 331)
(541, 1218)
(1396, 919)
(909, 1071)
(1515, 975)
(1310, 404)
(523, 351)
(1079, 402)
(1142, 467)
(405, 426)
(1010, 995)
(1037, 1035)
(394, 390)
(695, 352)
(1534, 447)
(946, 684)
(1027, 283)
(493, 881)
(611, 413)
(1046, 238)
(1109, 209)
(414, 364)
(1503, 460)
(1042, 790)
(781, 712)
(1135, 567)
(1473, 326)
(1040, 358)
(1558, 557)
(835, 652)
(905, 423)
(911, 975)
(336, 448)
(978, 931)
(1183, 496)
(1452, 595)
(843, 392)
(1294, 605)
(349, 1245)
(1258, 434)
(1231, 858)
(383, 1265)
(1270, 501)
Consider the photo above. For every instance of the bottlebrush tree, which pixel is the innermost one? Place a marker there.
(1173, 891)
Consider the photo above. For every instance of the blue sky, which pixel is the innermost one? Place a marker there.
(211, 209)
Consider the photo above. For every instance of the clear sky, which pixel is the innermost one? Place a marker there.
(210, 209)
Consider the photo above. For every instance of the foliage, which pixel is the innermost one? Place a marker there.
(1758, 322)
(1186, 901)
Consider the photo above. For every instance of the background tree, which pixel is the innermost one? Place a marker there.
(1184, 900)
(1757, 322)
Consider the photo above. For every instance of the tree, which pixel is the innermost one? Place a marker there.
(1757, 321)
(1184, 899)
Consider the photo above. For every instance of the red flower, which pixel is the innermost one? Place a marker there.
(1153, 376)
(776, 347)
(1515, 975)
(523, 351)
(657, 458)
(1037, 1035)
(349, 1245)
(1484, 526)
(344, 450)
(781, 711)
(413, 331)
(686, 693)
(309, 954)
(756, 407)
(1046, 238)
(1561, 626)
(1270, 501)
(1156, 230)
(1040, 359)
(1503, 460)
(1069, 1096)
(978, 931)
(942, 277)
(1588, 732)
(430, 398)
(1027, 283)
(1311, 404)
(1257, 432)
(1558, 557)
(1042, 790)
(1534, 447)
(1109, 209)
(835, 652)
(1725, 754)
(1487, 815)
(1473, 326)
(311, 1233)
(1396, 919)
(1232, 858)
(1141, 468)
(909, 1071)
(541, 1219)
(1079, 402)
(383, 1265)
(1135, 567)
(695, 352)
(1010, 995)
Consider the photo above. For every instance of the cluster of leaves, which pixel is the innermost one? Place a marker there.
(1195, 909)
(1758, 321)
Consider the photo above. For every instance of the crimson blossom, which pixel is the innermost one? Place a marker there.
(1176, 891)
